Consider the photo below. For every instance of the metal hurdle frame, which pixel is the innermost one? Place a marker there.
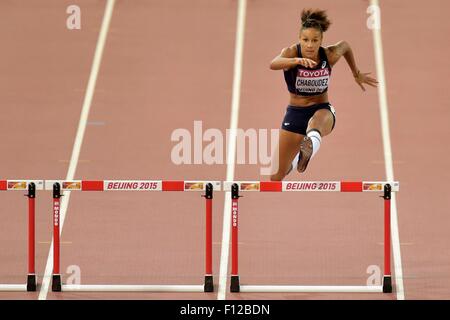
(31, 186)
(132, 185)
(386, 187)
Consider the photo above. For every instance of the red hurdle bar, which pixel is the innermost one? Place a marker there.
(132, 185)
(327, 186)
(31, 278)
(56, 278)
(209, 284)
(31, 186)
(387, 279)
(234, 287)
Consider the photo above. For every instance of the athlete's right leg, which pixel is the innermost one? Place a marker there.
(288, 148)
(320, 125)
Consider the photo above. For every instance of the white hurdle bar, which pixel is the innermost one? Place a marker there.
(320, 186)
(14, 287)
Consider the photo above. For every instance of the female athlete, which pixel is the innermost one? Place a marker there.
(307, 70)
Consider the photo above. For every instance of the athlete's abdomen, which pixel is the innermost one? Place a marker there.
(304, 101)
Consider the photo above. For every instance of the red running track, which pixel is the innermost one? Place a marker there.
(168, 64)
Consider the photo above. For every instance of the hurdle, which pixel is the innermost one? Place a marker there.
(31, 186)
(208, 187)
(387, 187)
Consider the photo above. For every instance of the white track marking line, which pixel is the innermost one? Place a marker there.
(79, 136)
(238, 56)
(378, 47)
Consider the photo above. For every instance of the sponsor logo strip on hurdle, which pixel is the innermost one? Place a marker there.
(379, 185)
(326, 186)
(20, 185)
(132, 185)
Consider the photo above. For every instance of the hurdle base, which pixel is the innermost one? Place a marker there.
(387, 284)
(31, 282)
(209, 284)
(130, 288)
(234, 285)
(309, 289)
(56, 283)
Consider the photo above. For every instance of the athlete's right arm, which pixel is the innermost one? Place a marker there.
(288, 59)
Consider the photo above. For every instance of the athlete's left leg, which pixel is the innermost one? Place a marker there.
(320, 125)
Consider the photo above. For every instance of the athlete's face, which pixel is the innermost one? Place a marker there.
(310, 41)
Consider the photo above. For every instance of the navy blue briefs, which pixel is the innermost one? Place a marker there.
(296, 118)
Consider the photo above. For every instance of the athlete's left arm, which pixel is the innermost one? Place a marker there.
(342, 48)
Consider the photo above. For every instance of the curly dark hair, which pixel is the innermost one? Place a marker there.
(315, 18)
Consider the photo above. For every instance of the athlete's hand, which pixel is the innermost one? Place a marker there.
(361, 78)
(308, 63)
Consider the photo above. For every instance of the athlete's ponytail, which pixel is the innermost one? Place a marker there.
(317, 19)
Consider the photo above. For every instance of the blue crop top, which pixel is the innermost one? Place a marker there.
(306, 81)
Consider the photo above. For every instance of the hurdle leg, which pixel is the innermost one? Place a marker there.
(209, 283)
(234, 284)
(387, 278)
(56, 277)
(31, 278)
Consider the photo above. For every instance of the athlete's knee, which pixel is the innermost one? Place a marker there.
(324, 123)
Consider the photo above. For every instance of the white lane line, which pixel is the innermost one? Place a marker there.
(79, 136)
(378, 47)
(236, 95)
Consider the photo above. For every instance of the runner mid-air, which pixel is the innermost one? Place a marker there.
(307, 70)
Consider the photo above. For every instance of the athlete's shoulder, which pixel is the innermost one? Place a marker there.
(338, 47)
(289, 52)
(335, 51)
